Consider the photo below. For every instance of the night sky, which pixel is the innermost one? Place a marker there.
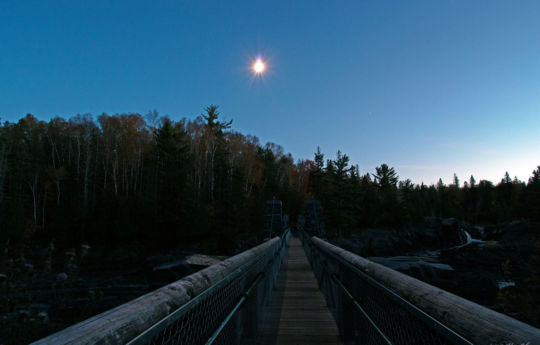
(429, 87)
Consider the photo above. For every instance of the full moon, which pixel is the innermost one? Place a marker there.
(259, 66)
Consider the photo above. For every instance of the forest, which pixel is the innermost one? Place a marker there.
(131, 177)
(134, 186)
(147, 178)
(353, 201)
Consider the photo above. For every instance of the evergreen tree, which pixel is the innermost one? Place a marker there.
(386, 180)
(533, 195)
(122, 178)
(456, 181)
(385, 177)
(317, 174)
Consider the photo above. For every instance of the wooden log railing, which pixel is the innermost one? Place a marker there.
(373, 304)
(225, 301)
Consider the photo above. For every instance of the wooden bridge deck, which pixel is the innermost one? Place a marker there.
(297, 313)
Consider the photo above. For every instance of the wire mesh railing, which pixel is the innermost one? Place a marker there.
(223, 304)
(365, 311)
(227, 312)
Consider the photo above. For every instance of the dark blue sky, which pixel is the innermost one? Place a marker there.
(429, 87)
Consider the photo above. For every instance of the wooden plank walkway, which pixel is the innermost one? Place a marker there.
(297, 312)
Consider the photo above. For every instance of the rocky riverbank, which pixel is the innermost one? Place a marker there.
(44, 289)
(497, 266)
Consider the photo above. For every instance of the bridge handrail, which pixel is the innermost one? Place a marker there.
(394, 301)
(192, 309)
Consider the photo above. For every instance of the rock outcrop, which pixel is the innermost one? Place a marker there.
(502, 271)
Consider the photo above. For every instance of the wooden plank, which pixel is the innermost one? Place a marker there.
(297, 313)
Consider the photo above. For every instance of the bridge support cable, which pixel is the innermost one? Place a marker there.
(383, 317)
(357, 305)
(234, 326)
(233, 312)
(245, 296)
(403, 309)
(222, 304)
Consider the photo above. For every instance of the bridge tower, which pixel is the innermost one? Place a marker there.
(313, 222)
(273, 216)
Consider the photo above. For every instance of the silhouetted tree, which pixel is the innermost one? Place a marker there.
(533, 195)
(123, 178)
(352, 201)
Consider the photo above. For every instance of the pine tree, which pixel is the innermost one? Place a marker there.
(385, 177)
(533, 195)
(456, 181)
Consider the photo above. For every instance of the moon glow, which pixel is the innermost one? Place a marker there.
(259, 66)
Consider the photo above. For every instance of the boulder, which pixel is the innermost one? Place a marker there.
(501, 253)
(451, 232)
(418, 267)
(375, 242)
(476, 232)
(202, 260)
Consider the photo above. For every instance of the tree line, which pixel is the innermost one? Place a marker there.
(353, 201)
(149, 178)
(132, 177)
